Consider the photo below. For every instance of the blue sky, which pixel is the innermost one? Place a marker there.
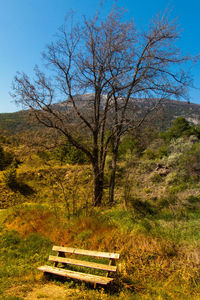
(26, 26)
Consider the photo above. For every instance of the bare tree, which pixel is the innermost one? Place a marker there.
(115, 64)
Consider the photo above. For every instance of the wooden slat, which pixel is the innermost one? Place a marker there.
(86, 252)
(76, 275)
(83, 263)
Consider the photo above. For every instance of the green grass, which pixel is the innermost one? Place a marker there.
(20, 256)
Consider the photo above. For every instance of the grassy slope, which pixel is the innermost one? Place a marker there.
(158, 238)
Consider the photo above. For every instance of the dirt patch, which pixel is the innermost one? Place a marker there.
(51, 291)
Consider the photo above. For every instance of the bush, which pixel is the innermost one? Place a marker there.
(69, 154)
(128, 144)
(149, 154)
(191, 162)
(180, 127)
(163, 151)
(6, 158)
(10, 177)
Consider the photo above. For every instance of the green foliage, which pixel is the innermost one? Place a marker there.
(6, 158)
(156, 150)
(10, 176)
(185, 160)
(128, 144)
(149, 154)
(69, 154)
(180, 127)
(191, 162)
(44, 155)
(163, 151)
(137, 141)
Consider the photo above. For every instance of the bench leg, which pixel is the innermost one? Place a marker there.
(111, 263)
(60, 254)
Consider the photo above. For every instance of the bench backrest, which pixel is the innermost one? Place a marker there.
(88, 264)
(86, 252)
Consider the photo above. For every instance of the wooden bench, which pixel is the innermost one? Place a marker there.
(62, 271)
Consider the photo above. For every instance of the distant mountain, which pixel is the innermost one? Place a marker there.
(168, 110)
(189, 111)
(162, 118)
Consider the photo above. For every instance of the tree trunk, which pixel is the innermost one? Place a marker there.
(112, 178)
(98, 186)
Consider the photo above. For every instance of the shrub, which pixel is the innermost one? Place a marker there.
(185, 160)
(163, 151)
(191, 162)
(128, 144)
(180, 127)
(149, 154)
(10, 177)
(69, 154)
(6, 158)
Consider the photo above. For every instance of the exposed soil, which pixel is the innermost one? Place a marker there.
(51, 291)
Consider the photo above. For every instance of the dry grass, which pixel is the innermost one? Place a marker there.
(148, 266)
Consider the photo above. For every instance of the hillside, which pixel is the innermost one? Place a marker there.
(173, 109)
(154, 223)
(17, 122)
(162, 118)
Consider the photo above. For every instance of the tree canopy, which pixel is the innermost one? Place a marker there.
(112, 64)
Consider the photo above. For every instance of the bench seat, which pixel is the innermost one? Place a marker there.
(76, 275)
